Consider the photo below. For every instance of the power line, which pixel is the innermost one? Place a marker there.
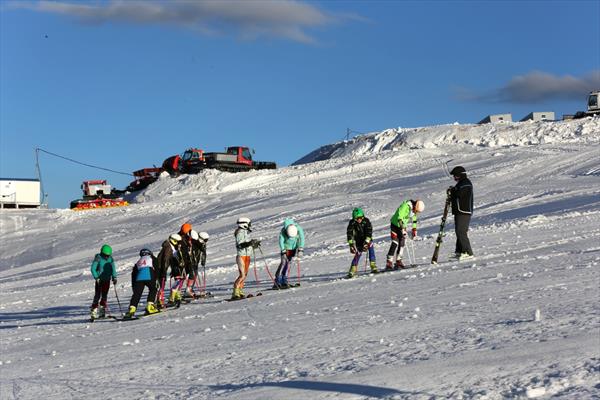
(82, 163)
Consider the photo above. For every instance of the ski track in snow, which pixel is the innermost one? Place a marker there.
(461, 330)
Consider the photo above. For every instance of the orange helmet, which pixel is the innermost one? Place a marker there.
(186, 228)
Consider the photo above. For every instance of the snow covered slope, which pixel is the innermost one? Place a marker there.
(454, 330)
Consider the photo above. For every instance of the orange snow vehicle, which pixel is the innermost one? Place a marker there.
(98, 194)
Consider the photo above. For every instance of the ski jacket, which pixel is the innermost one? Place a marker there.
(104, 269)
(143, 269)
(198, 253)
(169, 257)
(358, 233)
(462, 197)
(243, 242)
(402, 216)
(290, 243)
(185, 249)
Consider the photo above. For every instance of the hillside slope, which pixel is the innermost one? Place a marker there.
(456, 330)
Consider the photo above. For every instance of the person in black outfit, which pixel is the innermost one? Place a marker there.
(461, 196)
(359, 234)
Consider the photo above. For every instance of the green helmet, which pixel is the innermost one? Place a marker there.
(106, 250)
(357, 213)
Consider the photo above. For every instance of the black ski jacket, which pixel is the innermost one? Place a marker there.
(167, 259)
(462, 197)
(359, 232)
(198, 253)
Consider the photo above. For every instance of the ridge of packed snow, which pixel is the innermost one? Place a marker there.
(504, 134)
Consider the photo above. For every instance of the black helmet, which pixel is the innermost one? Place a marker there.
(458, 171)
(145, 252)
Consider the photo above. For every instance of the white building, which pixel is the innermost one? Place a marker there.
(539, 116)
(496, 118)
(19, 193)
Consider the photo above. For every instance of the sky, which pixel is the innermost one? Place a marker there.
(125, 84)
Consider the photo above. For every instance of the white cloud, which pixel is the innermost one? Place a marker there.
(287, 19)
(537, 87)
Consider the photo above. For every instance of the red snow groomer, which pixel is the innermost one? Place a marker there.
(97, 194)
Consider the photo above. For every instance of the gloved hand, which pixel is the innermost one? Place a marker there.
(284, 255)
(352, 249)
(255, 243)
(414, 233)
(114, 281)
(450, 190)
(404, 234)
(299, 252)
(97, 281)
(366, 246)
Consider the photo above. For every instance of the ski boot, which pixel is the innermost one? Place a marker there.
(189, 294)
(389, 265)
(465, 256)
(151, 309)
(399, 265)
(352, 272)
(237, 294)
(101, 311)
(175, 297)
(94, 313)
(131, 312)
(374, 269)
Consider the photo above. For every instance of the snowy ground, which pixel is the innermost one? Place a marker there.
(455, 330)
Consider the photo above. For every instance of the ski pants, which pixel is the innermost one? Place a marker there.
(461, 227)
(100, 290)
(282, 270)
(138, 289)
(358, 254)
(243, 264)
(398, 242)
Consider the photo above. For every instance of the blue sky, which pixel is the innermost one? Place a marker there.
(125, 84)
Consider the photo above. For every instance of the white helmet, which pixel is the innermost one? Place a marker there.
(291, 231)
(244, 222)
(204, 236)
(419, 206)
(175, 238)
(194, 235)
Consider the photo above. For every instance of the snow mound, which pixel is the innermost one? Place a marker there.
(489, 135)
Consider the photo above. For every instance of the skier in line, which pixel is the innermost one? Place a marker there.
(187, 273)
(359, 234)
(245, 249)
(143, 275)
(198, 256)
(291, 243)
(400, 221)
(103, 270)
(461, 196)
(169, 257)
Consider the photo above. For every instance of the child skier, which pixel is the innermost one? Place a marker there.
(169, 257)
(198, 256)
(186, 255)
(407, 211)
(143, 275)
(359, 234)
(291, 243)
(103, 270)
(245, 248)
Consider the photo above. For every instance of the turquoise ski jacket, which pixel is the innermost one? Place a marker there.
(104, 269)
(289, 243)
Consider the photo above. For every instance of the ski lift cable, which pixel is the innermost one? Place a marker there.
(82, 163)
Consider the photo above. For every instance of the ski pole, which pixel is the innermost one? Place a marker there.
(298, 264)
(266, 265)
(366, 261)
(118, 302)
(204, 278)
